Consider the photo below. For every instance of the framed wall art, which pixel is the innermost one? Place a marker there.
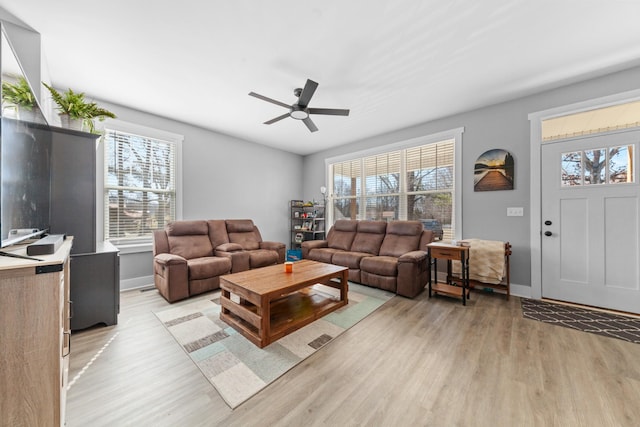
(494, 170)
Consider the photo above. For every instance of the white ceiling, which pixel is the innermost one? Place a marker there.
(392, 63)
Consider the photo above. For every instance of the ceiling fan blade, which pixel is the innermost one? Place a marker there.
(329, 111)
(312, 127)
(277, 119)
(273, 101)
(308, 91)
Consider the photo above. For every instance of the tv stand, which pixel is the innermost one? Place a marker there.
(35, 336)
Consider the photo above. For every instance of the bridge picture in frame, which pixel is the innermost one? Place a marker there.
(494, 170)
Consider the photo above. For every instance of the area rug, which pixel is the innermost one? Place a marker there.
(598, 322)
(237, 368)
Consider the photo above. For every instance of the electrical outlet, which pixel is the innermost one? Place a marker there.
(515, 211)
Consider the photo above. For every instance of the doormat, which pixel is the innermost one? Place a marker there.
(583, 319)
(237, 368)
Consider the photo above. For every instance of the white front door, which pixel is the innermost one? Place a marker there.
(590, 221)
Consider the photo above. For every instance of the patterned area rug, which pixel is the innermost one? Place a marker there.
(237, 368)
(598, 322)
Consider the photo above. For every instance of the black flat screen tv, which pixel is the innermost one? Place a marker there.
(25, 177)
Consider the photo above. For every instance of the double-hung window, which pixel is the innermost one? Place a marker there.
(413, 180)
(140, 184)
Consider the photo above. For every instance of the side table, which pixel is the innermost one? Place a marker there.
(450, 253)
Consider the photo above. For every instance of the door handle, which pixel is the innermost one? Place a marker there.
(547, 222)
(548, 233)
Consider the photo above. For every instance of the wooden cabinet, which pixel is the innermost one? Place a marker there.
(307, 222)
(35, 337)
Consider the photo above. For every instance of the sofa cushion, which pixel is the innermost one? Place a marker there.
(369, 237)
(262, 257)
(206, 267)
(186, 228)
(349, 259)
(189, 239)
(191, 246)
(401, 237)
(342, 234)
(380, 265)
(245, 233)
(323, 254)
(239, 225)
(217, 232)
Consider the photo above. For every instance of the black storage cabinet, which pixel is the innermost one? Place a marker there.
(95, 267)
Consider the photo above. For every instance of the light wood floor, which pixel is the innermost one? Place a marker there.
(420, 362)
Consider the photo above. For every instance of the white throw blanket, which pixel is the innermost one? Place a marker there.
(486, 261)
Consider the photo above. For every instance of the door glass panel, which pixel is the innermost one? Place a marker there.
(595, 166)
(621, 164)
(571, 166)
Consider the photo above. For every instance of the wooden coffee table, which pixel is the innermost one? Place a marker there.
(273, 303)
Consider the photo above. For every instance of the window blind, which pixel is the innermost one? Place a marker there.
(414, 183)
(139, 185)
(346, 188)
(607, 119)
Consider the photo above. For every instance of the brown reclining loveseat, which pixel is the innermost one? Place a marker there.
(390, 256)
(190, 256)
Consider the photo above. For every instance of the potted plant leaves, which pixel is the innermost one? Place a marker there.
(75, 111)
(19, 98)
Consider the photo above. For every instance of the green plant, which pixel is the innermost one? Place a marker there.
(75, 105)
(18, 94)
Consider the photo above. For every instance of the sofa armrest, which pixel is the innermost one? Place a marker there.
(275, 246)
(229, 247)
(169, 259)
(312, 244)
(171, 276)
(413, 257)
(413, 273)
(240, 260)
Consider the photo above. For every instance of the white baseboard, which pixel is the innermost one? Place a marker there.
(136, 283)
(521, 290)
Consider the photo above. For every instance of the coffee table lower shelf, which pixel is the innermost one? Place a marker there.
(286, 314)
(446, 289)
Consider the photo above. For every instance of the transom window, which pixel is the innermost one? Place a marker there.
(408, 183)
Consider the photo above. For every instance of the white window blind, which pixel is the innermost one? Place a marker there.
(382, 186)
(139, 185)
(347, 187)
(413, 183)
(430, 179)
(606, 119)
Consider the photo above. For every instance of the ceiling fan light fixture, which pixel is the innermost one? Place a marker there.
(301, 110)
(298, 113)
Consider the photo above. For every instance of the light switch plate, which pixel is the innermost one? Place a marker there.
(515, 211)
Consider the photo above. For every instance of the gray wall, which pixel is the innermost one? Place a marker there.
(222, 177)
(503, 126)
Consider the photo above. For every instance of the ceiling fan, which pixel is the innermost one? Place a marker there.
(301, 110)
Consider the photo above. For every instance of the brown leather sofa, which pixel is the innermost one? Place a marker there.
(390, 256)
(190, 256)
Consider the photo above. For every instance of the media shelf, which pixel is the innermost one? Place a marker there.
(307, 222)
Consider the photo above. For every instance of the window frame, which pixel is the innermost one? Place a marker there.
(142, 244)
(452, 134)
